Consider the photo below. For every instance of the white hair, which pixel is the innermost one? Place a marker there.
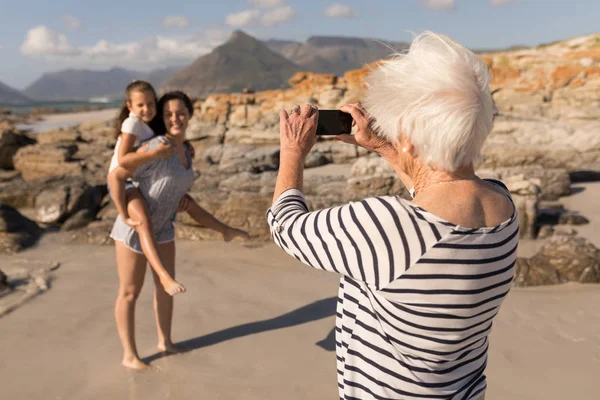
(436, 94)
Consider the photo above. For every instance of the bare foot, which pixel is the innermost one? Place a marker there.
(137, 364)
(170, 348)
(171, 286)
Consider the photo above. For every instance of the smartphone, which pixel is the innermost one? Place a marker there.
(334, 122)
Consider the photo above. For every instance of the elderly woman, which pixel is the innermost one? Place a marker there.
(422, 280)
(163, 182)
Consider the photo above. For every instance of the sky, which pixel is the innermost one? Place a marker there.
(38, 36)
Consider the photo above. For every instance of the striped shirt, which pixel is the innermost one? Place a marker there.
(417, 295)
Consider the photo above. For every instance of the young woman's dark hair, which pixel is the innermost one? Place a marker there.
(135, 86)
(158, 124)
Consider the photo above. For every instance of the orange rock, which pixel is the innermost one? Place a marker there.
(504, 75)
(592, 72)
(594, 54)
(311, 80)
(577, 82)
(562, 75)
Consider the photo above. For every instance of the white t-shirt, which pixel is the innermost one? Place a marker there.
(136, 127)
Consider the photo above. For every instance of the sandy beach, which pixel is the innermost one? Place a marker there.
(53, 121)
(259, 325)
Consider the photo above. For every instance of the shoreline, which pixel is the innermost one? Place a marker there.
(69, 119)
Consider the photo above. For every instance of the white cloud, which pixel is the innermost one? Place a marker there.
(267, 3)
(277, 16)
(243, 18)
(268, 18)
(340, 11)
(501, 3)
(175, 21)
(41, 41)
(1, 47)
(71, 22)
(449, 5)
(152, 52)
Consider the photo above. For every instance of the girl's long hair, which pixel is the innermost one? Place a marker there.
(136, 86)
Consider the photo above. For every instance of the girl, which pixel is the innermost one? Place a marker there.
(133, 128)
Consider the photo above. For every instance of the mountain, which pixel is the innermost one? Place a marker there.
(79, 84)
(335, 54)
(9, 95)
(241, 62)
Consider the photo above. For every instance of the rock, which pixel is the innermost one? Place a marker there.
(527, 209)
(207, 132)
(16, 231)
(329, 99)
(45, 160)
(263, 183)
(252, 136)
(550, 216)
(78, 220)
(59, 135)
(4, 287)
(10, 143)
(562, 259)
(96, 232)
(335, 152)
(315, 159)
(7, 176)
(58, 202)
(100, 133)
(235, 159)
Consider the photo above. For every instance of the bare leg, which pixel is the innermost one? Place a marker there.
(163, 303)
(131, 268)
(136, 208)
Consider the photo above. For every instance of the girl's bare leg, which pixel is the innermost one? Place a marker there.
(163, 303)
(131, 267)
(136, 208)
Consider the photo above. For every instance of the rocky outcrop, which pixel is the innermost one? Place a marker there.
(16, 231)
(10, 142)
(562, 259)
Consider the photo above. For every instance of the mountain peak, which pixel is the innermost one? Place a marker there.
(239, 35)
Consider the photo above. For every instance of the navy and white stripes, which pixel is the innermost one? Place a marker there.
(417, 295)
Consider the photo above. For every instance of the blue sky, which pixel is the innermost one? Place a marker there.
(37, 36)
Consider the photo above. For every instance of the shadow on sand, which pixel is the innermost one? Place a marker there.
(318, 310)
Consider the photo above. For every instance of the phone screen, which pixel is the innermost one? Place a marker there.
(334, 122)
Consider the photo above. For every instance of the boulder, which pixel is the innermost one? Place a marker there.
(59, 135)
(47, 160)
(58, 202)
(562, 259)
(16, 231)
(10, 143)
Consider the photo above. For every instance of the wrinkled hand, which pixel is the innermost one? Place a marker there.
(232, 233)
(164, 150)
(365, 135)
(298, 131)
(184, 203)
